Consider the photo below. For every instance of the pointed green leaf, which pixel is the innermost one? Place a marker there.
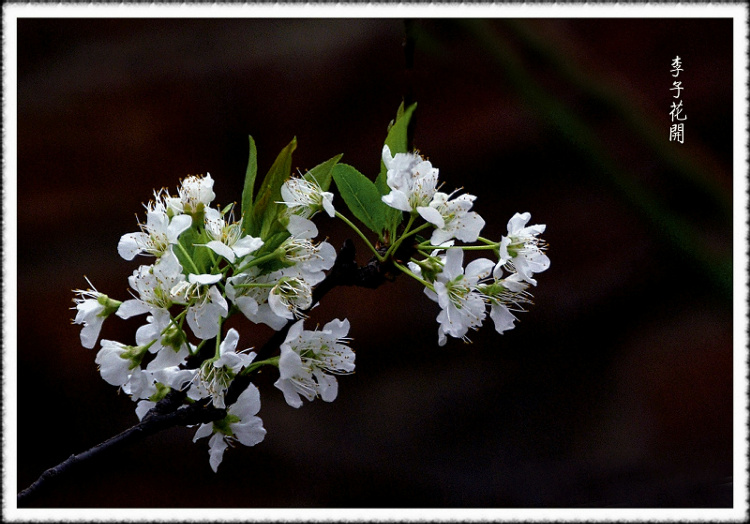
(361, 196)
(396, 139)
(247, 191)
(193, 258)
(266, 207)
(322, 172)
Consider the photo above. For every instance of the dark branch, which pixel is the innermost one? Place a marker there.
(345, 272)
(168, 412)
(164, 415)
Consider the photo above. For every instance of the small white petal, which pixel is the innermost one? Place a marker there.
(301, 227)
(431, 215)
(179, 224)
(129, 245)
(203, 431)
(216, 451)
(204, 279)
(397, 199)
(221, 249)
(131, 308)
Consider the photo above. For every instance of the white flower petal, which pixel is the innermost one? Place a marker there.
(290, 393)
(143, 407)
(204, 279)
(247, 404)
(431, 215)
(179, 224)
(398, 200)
(301, 227)
(130, 245)
(246, 245)
(479, 268)
(203, 431)
(216, 451)
(502, 317)
(250, 432)
(131, 308)
(221, 249)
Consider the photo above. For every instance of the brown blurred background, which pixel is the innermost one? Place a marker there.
(614, 390)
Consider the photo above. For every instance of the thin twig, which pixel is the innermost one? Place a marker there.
(170, 411)
(153, 422)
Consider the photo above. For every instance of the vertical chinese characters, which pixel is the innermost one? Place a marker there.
(677, 130)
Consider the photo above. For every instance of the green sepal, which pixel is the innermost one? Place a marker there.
(361, 196)
(161, 392)
(322, 173)
(110, 305)
(226, 209)
(134, 354)
(222, 426)
(266, 207)
(247, 192)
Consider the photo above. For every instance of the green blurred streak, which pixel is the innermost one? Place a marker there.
(617, 103)
(718, 268)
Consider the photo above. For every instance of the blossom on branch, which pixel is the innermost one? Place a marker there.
(456, 291)
(306, 198)
(522, 250)
(156, 235)
(310, 360)
(452, 218)
(240, 425)
(92, 308)
(412, 180)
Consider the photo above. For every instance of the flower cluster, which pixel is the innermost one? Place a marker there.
(204, 268)
(463, 294)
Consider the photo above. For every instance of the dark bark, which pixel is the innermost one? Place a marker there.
(162, 416)
(169, 412)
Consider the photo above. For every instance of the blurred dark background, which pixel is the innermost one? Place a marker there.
(614, 390)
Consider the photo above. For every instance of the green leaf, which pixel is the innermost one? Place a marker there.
(193, 258)
(269, 246)
(247, 191)
(266, 207)
(397, 139)
(321, 173)
(361, 196)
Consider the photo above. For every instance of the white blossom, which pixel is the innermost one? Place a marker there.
(116, 361)
(154, 285)
(309, 259)
(310, 359)
(195, 194)
(249, 291)
(92, 308)
(166, 340)
(305, 197)
(206, 304)
(226, 239)
(241, 425)
(291, 295)
(452, 218)
(412, 180)
(156, 235)
(215, 376)
(462, 304)
(521, 250)
(504, 296)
